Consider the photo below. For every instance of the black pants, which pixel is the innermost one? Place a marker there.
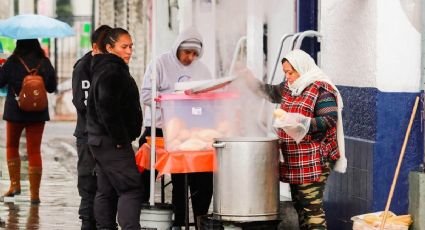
(86, 184)
(201, 191)
(147, 173)
(119, 188)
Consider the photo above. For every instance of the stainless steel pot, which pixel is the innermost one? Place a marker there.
(246, 182)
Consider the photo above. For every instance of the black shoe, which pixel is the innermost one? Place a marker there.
(88, 225)
(35, 202)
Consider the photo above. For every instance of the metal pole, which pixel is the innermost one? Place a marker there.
(422, 168)
(186, 203)
(55, 44)
(56, 59)
(282, 40)
(308, 33)
(162, 190)
(93, 13)
(235, 54)
(153, 108)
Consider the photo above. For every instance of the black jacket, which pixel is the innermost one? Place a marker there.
(12, 74)
(81, 78)
(113, 107)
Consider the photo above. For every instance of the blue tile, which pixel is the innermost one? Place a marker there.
(359, 111)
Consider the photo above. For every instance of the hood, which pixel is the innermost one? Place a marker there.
(100, 61)
(86, 58)
(187, 34)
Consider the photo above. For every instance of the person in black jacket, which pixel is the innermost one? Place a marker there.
(114, 120)
(12, 74)
(81, 78)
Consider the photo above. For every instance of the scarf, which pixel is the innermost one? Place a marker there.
(310, 73)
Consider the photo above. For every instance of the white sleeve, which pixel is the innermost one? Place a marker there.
(146, 91)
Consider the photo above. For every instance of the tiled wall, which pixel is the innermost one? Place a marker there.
(350, 194)
(375, 125)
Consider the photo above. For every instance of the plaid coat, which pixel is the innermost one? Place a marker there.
(303, 162)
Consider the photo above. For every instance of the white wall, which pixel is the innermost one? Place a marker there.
(281, 19)
(221, 24)
(398, 46)
(237, 18)
(6, 9)
(254, 24)
(82, 7)
(165, 35)
(26, 6)
(204, 12)
(372, 43)
(231, 16)
(46, 7)
(349, 49)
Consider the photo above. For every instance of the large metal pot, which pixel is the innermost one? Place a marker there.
(246, 182)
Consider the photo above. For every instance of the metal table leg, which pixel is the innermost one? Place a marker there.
(162, 190)
(186, 199)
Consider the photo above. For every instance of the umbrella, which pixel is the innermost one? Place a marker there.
(30, 26)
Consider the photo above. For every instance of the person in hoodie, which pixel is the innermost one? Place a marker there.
(179, 64)
(114, 120)
(81, 78)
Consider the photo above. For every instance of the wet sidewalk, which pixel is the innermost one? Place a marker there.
(58, 192)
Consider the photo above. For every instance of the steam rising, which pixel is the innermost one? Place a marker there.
(253, 112)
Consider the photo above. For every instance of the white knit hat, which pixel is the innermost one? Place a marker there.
(191, 44)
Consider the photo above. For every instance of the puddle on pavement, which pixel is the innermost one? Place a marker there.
(17, 216)
(26, 216)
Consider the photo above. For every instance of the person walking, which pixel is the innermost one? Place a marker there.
(28, 53)
(309, 126)
(177, 65)
(81, 79)
(114, 120)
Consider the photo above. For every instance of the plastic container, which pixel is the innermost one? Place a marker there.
(191, 122)
(360, 224)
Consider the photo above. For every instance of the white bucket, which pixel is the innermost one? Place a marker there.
(158, 217)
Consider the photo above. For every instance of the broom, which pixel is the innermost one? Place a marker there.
(400, 160)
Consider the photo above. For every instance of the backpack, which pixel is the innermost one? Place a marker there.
(33, 95)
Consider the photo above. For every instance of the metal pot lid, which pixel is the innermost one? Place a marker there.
(245, 139)
(210, 86)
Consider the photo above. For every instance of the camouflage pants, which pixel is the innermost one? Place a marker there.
(308, 202)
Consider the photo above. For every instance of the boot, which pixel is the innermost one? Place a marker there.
(14, 167)
(34, 174)
(88, 224)
(33, 219)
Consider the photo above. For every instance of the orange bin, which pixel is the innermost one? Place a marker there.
(159, 143)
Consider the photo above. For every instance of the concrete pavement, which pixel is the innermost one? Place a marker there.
(58, 193)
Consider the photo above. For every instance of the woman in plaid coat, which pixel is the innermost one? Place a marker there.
(307, 94)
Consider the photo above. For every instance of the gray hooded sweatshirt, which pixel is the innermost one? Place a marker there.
(169, 71)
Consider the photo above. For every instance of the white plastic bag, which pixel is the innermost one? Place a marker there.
(294, 124)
